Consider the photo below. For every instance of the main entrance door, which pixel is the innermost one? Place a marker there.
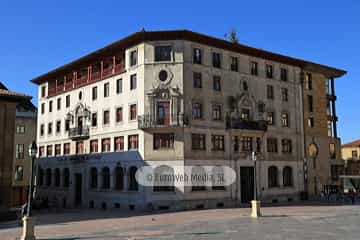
(78, 189)
(247, 184)
(163, 113)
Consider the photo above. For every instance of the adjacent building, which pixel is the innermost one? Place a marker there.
(12, 191)
(180, 98)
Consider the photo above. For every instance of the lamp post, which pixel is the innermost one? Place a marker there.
(255, 204)
(28, 220)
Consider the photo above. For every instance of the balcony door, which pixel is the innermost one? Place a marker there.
(163, 113)
(80, 122)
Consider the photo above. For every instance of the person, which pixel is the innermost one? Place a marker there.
(353, 196)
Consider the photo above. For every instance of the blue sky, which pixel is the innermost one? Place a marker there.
(37, 36)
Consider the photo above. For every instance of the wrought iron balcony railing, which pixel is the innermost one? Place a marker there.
(79, 133)
(151, 121)
(238, 123)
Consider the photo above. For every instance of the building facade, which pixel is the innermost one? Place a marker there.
(25, 134)
(169, 100)
(8, 104)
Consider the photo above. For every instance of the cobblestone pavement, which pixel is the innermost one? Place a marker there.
(291, 222)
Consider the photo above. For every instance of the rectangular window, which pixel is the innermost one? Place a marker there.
(106, 90)
(94, 146)
(245, 114)
(133, 82)
(283, 74)
(119, 114)
(67, 125)
(198, 141)
(106, 117)
(94, 119)
(197, 56)
(270, 91)
(284, 119)
(20, 129)
(42, 108)
(284, 94)
(133, 58)
(234, 66)
(50, 106)
(246, 144)
(42, 151)
(254, 68)
(49, 128)
(310, 122)
(133, 112)
(218, 142)
(42, 130)
(67, 101)
(94, 93)
(49, 150)
(354, 154)
(332, 150)
(286, 145)
(163, 141)
(119, 86)
(80, 147)
(66, 148)
(269, 71)
(119, 144)
(133, 142)
(58, 103)
(272, 145)
(216, 112)
(308, 81)
(270, 118)
(57, 149)
(197, 80)
(19, 151)
(58, 126)
(310, 103)
(216, 60)
(163, 53)
(217, 83)
(43, 91)
(105, 145)
(197, 111)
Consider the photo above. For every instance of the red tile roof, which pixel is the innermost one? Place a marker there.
(9, 95)
(144, 36)
(355, 143)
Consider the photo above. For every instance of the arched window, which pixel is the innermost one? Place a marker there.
(197, 178)
(48, 177)
(218, 178)
(119, 178)
(41, 177)
(94, 178)
(66, 175)
(273, 177)
(133, 184)
(287, 177)
(57, 177)
(164, 179)
(105, 178)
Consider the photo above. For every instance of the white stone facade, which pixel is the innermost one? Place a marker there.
(177, 90)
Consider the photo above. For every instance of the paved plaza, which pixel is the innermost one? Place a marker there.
(290, 222)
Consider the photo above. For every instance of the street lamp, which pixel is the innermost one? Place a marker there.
(255, 204)
(28, 220)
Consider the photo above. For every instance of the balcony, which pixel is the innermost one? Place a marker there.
(150, 121)
(241, 124)
(79, 133)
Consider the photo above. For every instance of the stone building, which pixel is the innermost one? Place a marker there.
(8, 117)
(173, 99)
